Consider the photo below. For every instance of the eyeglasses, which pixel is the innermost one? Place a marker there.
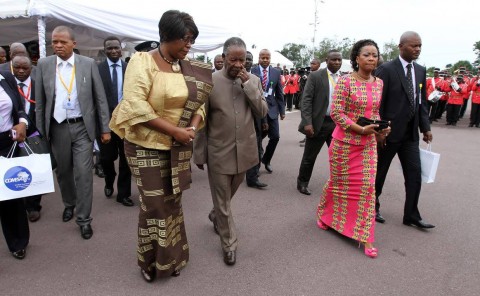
(188, 39)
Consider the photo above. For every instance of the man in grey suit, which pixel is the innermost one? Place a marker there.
(228, 146)
(69, 100)
(316, 122)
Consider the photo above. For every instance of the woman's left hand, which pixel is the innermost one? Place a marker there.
(21, 130)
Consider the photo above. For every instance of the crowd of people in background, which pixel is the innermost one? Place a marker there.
(161, 109)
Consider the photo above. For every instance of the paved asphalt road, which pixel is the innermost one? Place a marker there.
(281, 251)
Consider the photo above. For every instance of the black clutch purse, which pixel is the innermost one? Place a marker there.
(382, 124)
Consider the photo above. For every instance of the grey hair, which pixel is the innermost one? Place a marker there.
(233, 41)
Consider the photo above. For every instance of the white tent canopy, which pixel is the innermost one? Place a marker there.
(276, 58)
(346, 66)
(92, 22)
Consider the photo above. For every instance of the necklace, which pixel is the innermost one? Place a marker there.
(175, 65)
(360, 77)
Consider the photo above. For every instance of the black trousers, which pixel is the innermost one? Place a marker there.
(475, 114)
(312, 148)
(433, 110)
(441, 106)
(273, 139)
(252, 173)
(289, 99)
(409, 155)
(109, 153)
(13, 216)
(453, 112)
(464, 107)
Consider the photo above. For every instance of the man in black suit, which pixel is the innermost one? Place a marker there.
(112, 72)
(252, 174)
(316, 122)
(273, 93)
(22, 68)
(404, 104)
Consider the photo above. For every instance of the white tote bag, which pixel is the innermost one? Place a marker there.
(25, 176)
(429, 161)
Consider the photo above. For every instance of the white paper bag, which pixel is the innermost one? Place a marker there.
(25, 176)
(429, 161)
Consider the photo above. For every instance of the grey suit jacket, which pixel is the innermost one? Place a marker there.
(315, 101)
(229, 144)
(90, 92)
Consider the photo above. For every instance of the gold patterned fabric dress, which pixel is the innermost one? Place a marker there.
(149, 94)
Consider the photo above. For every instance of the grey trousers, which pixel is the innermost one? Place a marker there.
(223, 188)
(72, 149)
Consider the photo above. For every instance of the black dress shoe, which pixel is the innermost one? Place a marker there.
(212, 218)
(419, 224)
(229, 257)
(108, 191)
(86, 231)
(99, 172)
(33, 216)
(20, 254)
(257, 184)
(303, 190)
(126, 201)
(379, 218)
(268, 167)
(67, 214)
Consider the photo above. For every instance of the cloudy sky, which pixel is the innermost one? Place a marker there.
(448, 28)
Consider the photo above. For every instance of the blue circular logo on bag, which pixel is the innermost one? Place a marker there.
(17, 178)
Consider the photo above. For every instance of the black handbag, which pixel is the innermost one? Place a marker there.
(382, 124)
(39, 145)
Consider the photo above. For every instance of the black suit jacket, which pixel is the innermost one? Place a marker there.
(315, 101)
(395, 104)
(275, 101)
(9, 84)
(107, 83)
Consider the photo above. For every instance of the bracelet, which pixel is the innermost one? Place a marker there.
(193, 128)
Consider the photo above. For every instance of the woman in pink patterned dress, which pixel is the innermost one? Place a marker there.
(347, 204)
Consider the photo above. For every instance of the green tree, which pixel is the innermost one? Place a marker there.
(299, 54)
(201, 58)
(390, 51)
(430, 71)
(468, 66)
(476, 49)
(327, 44)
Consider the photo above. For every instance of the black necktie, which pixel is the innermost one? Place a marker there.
(115, 82)
(410, 93)
(21, 85)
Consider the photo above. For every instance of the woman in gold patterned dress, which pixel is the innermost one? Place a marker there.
(347, 204)
(163, 106)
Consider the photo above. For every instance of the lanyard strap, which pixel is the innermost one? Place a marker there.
(70, 87)
(331, 80)
(26, 96)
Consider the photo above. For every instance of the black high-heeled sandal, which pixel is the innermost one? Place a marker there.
(148, 276)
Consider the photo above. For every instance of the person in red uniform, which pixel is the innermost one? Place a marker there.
(433, 83)
(466, 96)
(455, 101)
(445, 88)
(291, 88)
(475, 112)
